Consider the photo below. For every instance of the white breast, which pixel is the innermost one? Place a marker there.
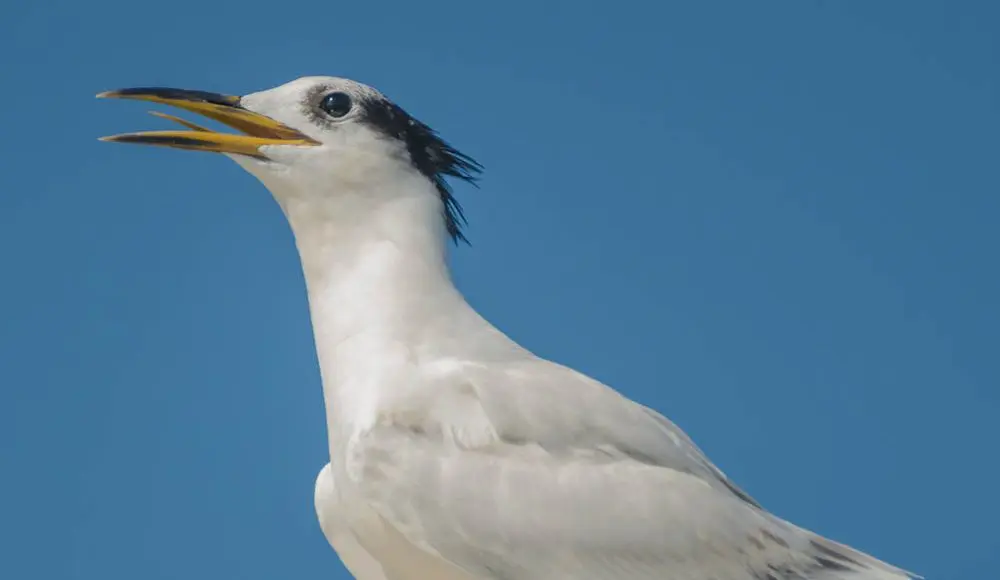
(370, 548)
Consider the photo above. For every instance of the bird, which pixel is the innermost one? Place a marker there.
(454, 452)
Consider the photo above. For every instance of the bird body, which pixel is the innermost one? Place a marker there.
(456, 454)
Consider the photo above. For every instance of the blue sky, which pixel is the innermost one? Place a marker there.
(775, 222)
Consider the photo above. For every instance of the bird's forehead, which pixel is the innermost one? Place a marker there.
(285, 103)
(286, 96)
(293, 93)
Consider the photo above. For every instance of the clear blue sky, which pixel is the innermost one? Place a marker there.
(775, 222)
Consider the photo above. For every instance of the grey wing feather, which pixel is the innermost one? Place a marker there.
(577, 482)
(561, 409)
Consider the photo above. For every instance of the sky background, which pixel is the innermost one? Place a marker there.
(774, 222)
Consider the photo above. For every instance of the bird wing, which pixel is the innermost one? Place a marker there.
(562, 409)
(535, 472)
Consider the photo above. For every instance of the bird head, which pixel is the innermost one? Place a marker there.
(316, 136)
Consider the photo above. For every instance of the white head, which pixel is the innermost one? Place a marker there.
(326, 146)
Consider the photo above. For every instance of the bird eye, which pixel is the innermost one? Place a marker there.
(336, 104)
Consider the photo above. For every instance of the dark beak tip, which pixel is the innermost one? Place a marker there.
(171, 94)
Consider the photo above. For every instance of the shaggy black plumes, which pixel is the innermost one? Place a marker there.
(430, 154)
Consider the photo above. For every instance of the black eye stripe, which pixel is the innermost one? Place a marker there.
(428, 152)
(326, 104)
(336, 104)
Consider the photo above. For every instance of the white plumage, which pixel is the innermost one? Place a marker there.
(454, 452)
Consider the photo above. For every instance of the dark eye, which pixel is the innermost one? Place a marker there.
(336, 104)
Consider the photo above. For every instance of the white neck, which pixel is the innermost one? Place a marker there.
(382, 302)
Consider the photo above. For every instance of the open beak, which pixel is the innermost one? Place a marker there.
(258, 130)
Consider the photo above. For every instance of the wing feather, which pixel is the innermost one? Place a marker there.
(544, 474)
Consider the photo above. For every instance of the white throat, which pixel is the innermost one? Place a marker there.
(383, 306)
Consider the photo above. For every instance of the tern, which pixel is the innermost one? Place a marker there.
(455, 453)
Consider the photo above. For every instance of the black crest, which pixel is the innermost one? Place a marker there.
(430, 154)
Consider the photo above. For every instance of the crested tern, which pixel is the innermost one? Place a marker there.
(455, 453)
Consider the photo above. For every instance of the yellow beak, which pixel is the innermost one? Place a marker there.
(259, 130)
